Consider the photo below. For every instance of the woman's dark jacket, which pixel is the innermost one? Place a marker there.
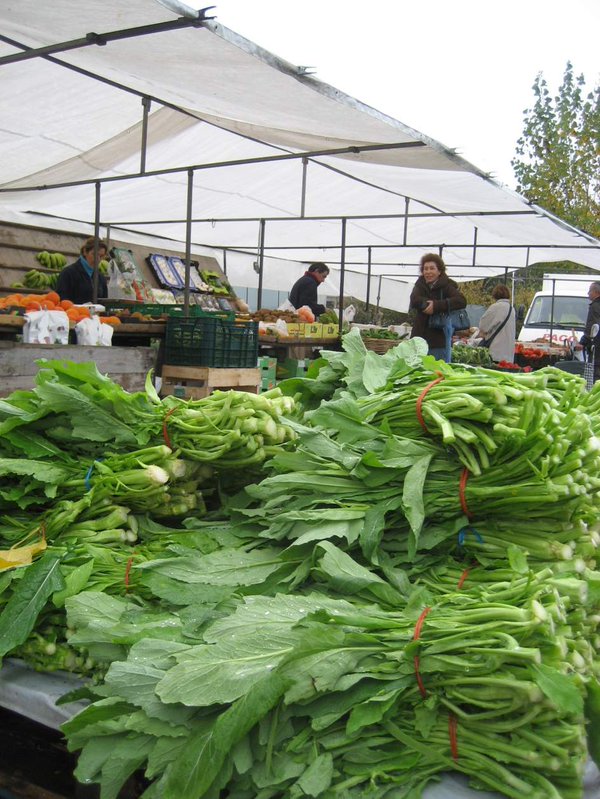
(76, 285)
(304, 292)
(445, 295)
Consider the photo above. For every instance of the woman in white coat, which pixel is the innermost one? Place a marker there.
(498, 326)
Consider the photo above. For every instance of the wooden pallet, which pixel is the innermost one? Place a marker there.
(196, 382)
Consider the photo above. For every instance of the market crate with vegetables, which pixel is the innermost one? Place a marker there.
(386, 573)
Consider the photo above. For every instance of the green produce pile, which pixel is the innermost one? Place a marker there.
(387, 335)
(44, 281)
(329, 318)
(51, 260)
(407, 586)
(475, 356)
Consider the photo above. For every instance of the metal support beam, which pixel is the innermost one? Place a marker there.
(261, 262)
(188, 242)
(225, 261)
(102, 39)
(95, 277)
(369, 254)
(342, 275)
(146, 103)
(265, 159)
(405, 235)
(303, 197)
(475, 246)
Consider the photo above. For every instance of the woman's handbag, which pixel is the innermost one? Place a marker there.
(457, 320)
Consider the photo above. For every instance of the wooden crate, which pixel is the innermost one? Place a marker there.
(197, 382)
(127, 366)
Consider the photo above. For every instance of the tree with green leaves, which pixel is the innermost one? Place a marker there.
(557, 163)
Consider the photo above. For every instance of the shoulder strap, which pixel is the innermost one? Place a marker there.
(489, 340)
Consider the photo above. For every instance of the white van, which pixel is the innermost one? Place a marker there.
(559, 311)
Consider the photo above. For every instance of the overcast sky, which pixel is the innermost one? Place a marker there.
(460, 72)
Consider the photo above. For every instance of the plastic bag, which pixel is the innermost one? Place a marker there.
(278, 329)
(286, 305)
(46, 327)
(93, 332)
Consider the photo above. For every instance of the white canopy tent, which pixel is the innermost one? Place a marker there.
(196, 135)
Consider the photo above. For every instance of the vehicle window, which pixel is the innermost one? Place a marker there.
(568, 311)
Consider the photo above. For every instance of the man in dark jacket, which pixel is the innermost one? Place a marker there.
(593, 318)
(304, 290)
(76, 282)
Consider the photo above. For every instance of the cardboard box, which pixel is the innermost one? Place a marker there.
(268, 367)
(291, 367)
(267, 383)
(296, 329)
(314, 330)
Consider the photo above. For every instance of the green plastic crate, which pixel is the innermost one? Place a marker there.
(156, 309)
(210, 340)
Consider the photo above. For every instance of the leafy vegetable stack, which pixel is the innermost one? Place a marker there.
(409, 589)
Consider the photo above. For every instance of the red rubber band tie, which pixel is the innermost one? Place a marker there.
(463, 577)
(417, 660)
(165, 431)
(128, 568)
(461, 493)
(422, 396)
(452, 725)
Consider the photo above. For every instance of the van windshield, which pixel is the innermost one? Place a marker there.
(569, 312)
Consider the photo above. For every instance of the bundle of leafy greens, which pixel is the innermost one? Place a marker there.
(397, 596)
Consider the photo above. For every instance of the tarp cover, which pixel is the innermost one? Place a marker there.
(217, 98)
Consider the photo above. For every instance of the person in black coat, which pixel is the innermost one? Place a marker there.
(593, 318)
(76, 281)
(304, 290)
(434, 292)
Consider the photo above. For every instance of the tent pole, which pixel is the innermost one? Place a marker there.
(146, 103)
(225, 260)
(475, 246)
(95, 280)
(188, 243)
(405, 236)
(342, 275)
(108, 238)
(303, 198)
(261, 260)
(368, 279)
(379, 293)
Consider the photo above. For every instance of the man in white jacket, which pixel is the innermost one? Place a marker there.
(498, 326)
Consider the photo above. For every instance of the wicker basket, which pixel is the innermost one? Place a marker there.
(380, 345)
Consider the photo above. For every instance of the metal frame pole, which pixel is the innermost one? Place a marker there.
(95, 277)
(475, 246)
(146, 103)
(188, 242)
(225, 261)
(261, 261)
(342, 275)
(368, 298)
(405, 234)
(303, 196)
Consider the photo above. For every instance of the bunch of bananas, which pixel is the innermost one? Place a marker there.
(39, 280)
(51, 260)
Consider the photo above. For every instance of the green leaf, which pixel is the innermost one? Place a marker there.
(199, 764)
(317, 777)
(227, 567)
(560, 689)
(30, 596)
(348, 577)
(517, 559)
